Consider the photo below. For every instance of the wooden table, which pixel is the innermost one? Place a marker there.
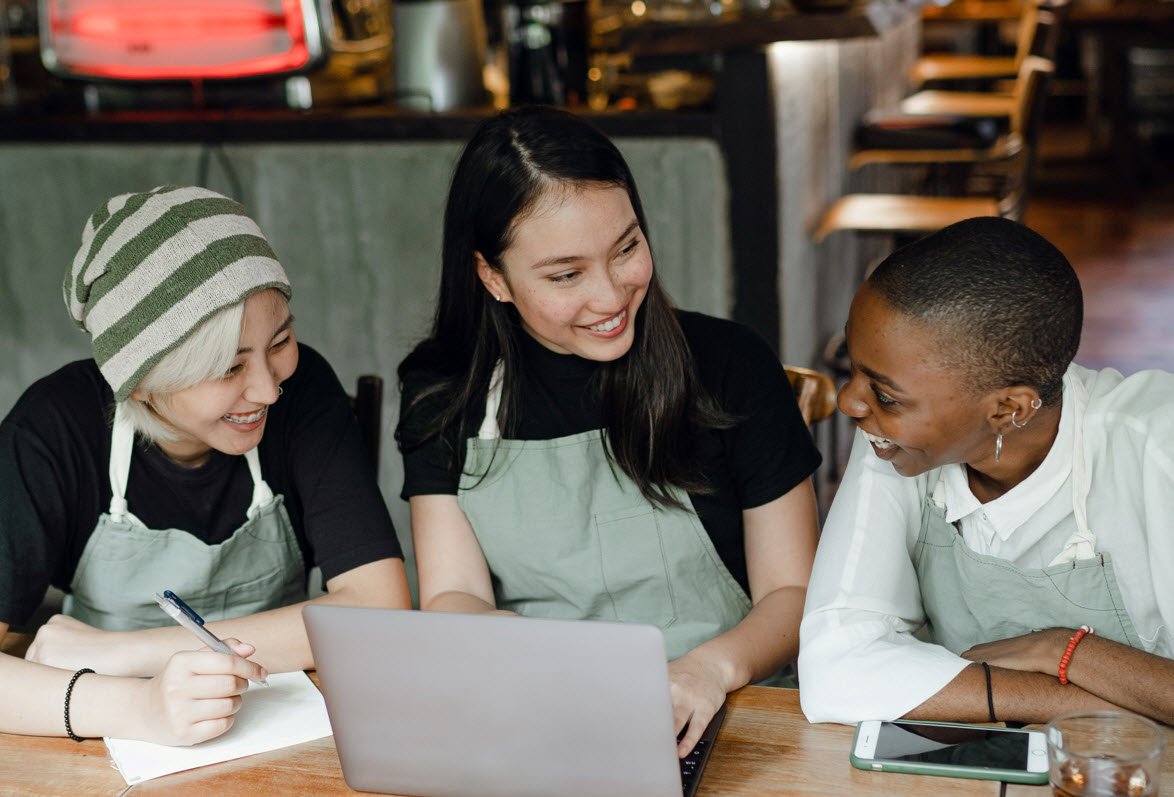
(766, 747)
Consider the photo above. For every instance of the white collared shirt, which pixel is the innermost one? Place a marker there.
(859, 654)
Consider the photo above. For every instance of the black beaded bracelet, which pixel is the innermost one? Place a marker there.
(68, 693)
(990, 698)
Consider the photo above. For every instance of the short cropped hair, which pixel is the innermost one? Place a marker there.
(1006, 304)
(207, 353)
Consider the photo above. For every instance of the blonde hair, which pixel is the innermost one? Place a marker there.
(206, 354)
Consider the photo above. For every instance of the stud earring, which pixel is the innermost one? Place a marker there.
(998, 446)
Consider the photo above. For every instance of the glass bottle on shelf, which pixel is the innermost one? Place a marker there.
(546, 41)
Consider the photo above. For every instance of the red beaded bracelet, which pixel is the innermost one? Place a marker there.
(1079, 635)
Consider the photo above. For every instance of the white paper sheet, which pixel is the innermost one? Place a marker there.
(290, 711)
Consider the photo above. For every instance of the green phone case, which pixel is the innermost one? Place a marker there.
(948, 770)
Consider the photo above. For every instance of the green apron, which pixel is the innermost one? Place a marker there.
(567, 535)
(971, 598)
(124, 563)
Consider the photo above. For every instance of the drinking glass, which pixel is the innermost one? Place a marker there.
(1104, 754)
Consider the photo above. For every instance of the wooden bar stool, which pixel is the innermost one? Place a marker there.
(1044, 33)
(912, 213)
(814, 392)
(965, 162)
(1037, 34)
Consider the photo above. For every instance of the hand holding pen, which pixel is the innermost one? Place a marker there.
(183, 614)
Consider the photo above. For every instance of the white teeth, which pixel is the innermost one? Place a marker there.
(879, 442)
(608, 326)
(256, 416)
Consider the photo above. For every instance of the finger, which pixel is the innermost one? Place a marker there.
(209, 662)
(245, 650)
(697, 724)
(215, 708)
(203, 687)
(208, 729)
(242, 649)
(681, 714)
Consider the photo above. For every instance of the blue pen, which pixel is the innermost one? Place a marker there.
(187, 617)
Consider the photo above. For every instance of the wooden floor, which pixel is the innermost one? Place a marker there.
(1120, 240)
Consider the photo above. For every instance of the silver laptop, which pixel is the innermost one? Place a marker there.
(442, 705)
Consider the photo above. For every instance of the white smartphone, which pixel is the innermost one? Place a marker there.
(953, 749)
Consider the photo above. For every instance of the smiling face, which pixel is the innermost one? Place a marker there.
(914, 409)
(577, 270)
(228, 414)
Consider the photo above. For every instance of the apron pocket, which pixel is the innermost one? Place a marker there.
(634, 567)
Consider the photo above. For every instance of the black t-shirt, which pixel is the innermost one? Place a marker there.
(766, 454)
(54, 481)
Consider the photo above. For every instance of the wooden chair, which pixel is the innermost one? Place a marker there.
(1042, 44)
(1037, 34)
(920, 214)
(368, 405)
(1022, 126)
(814, 392)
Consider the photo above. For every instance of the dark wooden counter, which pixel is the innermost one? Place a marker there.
(340, 123)
(857, 19)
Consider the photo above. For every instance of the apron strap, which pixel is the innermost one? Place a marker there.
(122, 440)
(262, 495)
(1082, 544)
(489, 429)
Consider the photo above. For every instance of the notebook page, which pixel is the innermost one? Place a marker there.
(290, 711)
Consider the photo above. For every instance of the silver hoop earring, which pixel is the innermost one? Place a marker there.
(279, 390)
(1017, 425)
(998, 446)
(1036, 403)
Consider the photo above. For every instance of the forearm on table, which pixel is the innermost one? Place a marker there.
(1016, 695)
(34, 699)
(279, 635)
(1129, 677)
(764, 641)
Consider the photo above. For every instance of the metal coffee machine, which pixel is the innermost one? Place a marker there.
(439, 50)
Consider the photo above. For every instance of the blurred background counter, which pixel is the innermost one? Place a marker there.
(349, 180)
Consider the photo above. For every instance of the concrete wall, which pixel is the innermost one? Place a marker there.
(822, 90)
(356, 225)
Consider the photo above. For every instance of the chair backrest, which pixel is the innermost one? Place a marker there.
(1045, 34)
(815, 393)
(1031, 93)
(1039, 29)
(368, 406)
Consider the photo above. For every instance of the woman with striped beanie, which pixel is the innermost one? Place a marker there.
(202, 450)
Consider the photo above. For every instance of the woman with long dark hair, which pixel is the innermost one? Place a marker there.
(576, 447)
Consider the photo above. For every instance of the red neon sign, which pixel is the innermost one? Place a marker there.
(152, 40)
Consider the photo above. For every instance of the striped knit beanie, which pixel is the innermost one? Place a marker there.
(154, 266)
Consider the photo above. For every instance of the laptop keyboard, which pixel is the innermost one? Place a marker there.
(691, 766)
(694, 763)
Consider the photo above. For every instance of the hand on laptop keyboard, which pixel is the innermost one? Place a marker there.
(694, 763)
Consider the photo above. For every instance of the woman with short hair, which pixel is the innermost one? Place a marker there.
(999, 500)
(202, 450)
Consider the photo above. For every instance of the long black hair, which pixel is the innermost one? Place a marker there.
(651, 397)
